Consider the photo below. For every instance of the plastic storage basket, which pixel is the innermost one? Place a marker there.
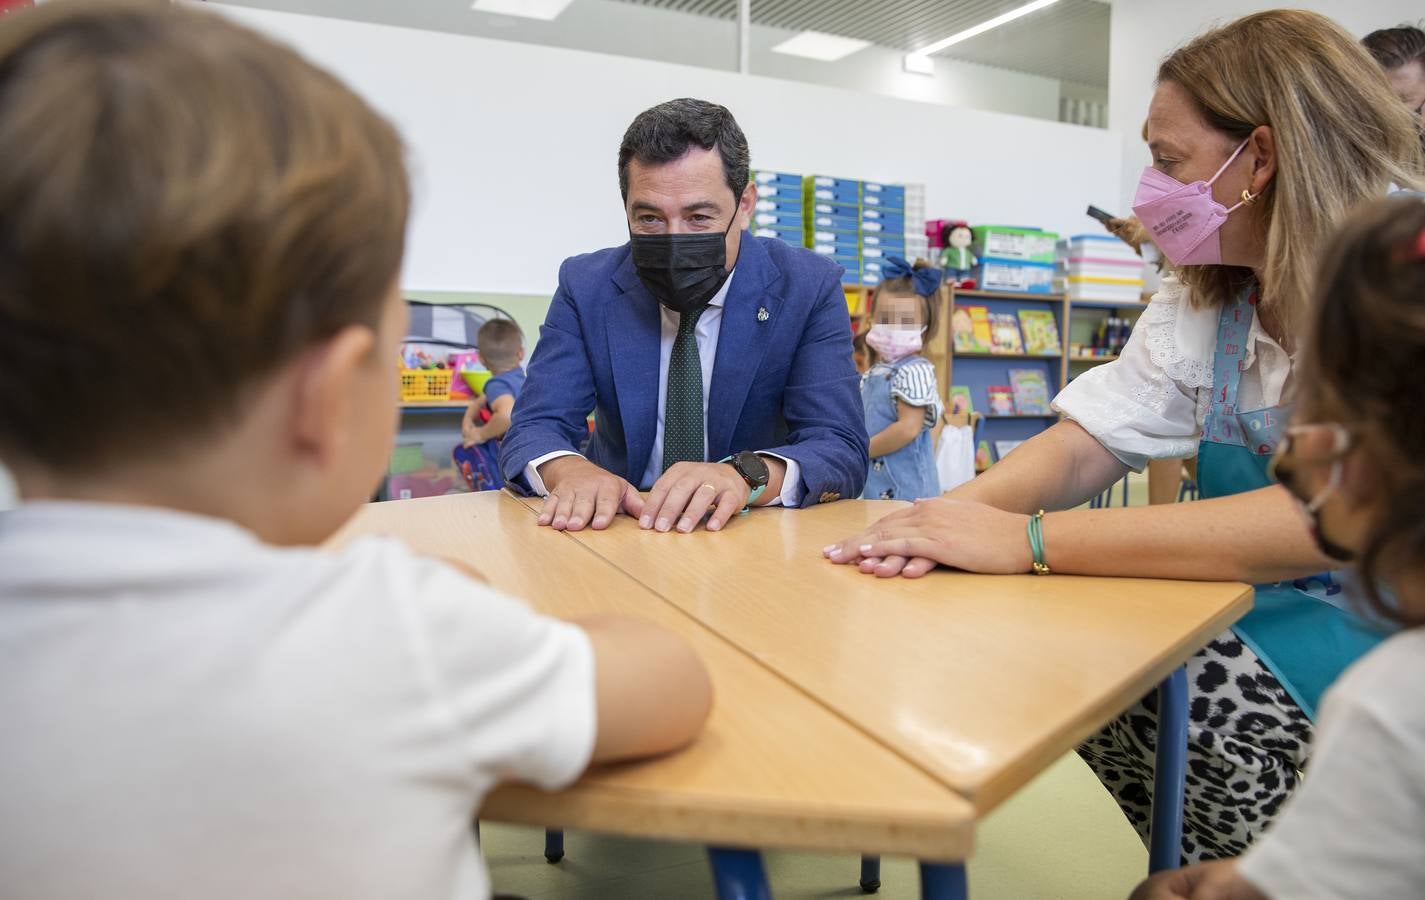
(425, 384)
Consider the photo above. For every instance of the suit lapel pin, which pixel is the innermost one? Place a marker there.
(762, 314)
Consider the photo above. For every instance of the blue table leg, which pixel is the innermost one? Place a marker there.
(553, 845)
(943, 881)
(1165, 850)
(738, 874)
(870, 874)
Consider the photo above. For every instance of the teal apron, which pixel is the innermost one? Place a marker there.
(1299, 629)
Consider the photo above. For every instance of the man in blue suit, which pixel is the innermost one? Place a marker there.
(718, 365)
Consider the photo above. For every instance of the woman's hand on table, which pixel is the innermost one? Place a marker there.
(954, 533)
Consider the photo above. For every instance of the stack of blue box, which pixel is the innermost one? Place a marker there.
(882, 225)
(833, 221)
(779, 212)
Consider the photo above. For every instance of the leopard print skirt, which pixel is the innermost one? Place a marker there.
(1248, 743)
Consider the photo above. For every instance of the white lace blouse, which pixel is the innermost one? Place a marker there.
(1150, 402)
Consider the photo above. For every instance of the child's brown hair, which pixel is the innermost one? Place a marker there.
(905, 286)
(186, 205)
(1362, 369)
(499, 342)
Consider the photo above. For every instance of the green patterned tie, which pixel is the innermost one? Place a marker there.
(683, 410)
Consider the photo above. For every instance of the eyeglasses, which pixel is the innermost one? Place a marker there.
(1324, 444)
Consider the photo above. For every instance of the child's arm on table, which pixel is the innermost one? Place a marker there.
(652, 691)
(909, 421)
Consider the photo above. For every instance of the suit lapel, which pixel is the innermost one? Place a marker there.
(742, 342)
(634, 332)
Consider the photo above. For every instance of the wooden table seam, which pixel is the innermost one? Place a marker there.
(785, 679)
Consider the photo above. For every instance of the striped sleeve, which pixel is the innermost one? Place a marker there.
(915, 384)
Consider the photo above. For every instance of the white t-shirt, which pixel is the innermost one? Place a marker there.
(188, 712)
(1356, 826)
(1150, 403)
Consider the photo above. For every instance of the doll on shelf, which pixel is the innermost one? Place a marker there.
(956, 259)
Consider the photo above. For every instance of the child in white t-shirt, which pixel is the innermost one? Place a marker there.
(198, 702)
(1355, 459)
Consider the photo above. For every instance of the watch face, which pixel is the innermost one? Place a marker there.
(752, 468)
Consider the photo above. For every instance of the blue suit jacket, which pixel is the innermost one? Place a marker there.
(785, 385)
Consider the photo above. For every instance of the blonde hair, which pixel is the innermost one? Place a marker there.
(1342, 138)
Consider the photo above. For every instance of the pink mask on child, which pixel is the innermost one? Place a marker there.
(1183, 218)
(894, 343)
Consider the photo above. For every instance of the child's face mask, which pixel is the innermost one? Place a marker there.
(894, 342)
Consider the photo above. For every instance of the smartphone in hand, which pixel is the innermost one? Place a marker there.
(1099, 214)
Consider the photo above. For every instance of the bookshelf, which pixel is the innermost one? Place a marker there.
(1075, 319)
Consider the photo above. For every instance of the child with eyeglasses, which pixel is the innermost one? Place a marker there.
(1355, 460)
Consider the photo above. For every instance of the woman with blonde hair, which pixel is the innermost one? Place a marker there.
(1264, 134)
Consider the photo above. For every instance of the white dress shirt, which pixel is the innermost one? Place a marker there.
(707, 331)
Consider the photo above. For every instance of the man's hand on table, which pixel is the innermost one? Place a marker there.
(688, 491)
(580, 493)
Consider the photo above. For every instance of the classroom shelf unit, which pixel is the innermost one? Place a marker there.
(1075, 319)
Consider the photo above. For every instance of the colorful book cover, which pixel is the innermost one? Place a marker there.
(1031, 392)
(961, 403)
(982, 456)
(1001, 400)
(1003, 448)
(1041, 332)
(1004, 334)
(971, 327)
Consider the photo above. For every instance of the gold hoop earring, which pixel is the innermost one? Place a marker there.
(1248, 197)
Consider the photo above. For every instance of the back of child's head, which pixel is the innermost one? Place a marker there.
(186, 206)
(902, 279)
(1362, 369)
(500, 342)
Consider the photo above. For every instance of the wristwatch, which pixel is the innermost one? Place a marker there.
(753, 471)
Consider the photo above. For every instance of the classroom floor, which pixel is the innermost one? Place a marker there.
(1060, 838)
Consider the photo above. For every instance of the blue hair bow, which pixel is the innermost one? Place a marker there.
(925, 281)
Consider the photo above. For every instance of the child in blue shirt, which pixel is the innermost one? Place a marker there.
(900, 392)
(501, 346)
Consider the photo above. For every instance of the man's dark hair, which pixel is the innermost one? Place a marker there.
(667, 131)
(1395, 47)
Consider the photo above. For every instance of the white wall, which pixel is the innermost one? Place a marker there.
(1145, 31)
(514, 145)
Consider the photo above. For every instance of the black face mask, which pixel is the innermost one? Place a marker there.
(683, 271)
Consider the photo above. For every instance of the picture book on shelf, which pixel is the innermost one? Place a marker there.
(960, 402)
(971, 327)
(1001, 400)
(1003, 448)
(982, 456)
(1004, 334)
(1031, 392)
(1041, 332)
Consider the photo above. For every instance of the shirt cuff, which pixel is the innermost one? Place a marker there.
(791, 496)
(531, 471)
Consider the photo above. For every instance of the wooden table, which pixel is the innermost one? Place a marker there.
(981, 680)
(879, 716)
(773, 768)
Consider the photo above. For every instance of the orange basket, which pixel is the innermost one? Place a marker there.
(425, 384)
